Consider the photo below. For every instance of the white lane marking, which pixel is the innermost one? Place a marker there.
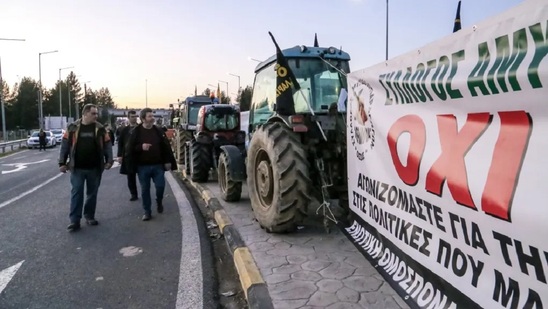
(6, 203)
(190, 292)
(20, 166)
(7, 274)
(13, 154)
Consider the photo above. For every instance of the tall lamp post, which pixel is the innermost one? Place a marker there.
(239, 88)
(69, 98)
(41, 112)
(386, 29)
(222, 81)
(85, 102)
(253, 59)
(60, 94)
(2, 92)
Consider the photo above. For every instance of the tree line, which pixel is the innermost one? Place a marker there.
(244, 97)
(22, 107)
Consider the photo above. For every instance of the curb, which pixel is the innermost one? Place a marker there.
(251, 280)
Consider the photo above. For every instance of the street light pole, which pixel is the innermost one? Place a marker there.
(69, 99)
(222, 81)
(41, 110)
(2, 101)
(253, 59)
(85, 95)
(239, 88)
(386, 29)
(60, 94)
(2, 92)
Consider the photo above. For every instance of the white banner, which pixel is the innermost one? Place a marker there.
(447, 159)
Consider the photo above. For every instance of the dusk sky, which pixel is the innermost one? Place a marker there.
(177, 44)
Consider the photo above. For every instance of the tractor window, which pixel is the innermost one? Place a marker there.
(193, 114)
(264, 95)
(222, 122)
(320, 83)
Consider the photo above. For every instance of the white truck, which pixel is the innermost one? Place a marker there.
(55, 122)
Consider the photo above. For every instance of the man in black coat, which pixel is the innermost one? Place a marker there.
(148, 153)
(122, 140)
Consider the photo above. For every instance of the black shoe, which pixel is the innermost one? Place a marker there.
(133, 198)
(160, 206)
(92, 222)
(73, 227)
(147, 217)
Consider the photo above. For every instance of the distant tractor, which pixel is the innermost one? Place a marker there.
(218, 125)
(297, 150)
(184, 121)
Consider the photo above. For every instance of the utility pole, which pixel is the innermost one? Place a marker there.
(2, 92)
(4, 136)
(41, 109)
(60, 93)
(386, 29)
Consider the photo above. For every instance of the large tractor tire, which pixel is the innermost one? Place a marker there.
(201, 161)
(187, 160)
(231, 191)
(184, 136)
(278, 178)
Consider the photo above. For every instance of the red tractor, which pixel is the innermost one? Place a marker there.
(218, 125)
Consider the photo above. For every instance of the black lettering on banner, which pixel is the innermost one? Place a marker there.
(509, 294)
(458, 261)
(409, 233)
(526, 260)
(472, 238)
(359, 201)
(398, 198)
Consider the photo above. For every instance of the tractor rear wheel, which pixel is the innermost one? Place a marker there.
(187, 160)
(278, 178)
(201, 158)
(184, 136)
(231, 191)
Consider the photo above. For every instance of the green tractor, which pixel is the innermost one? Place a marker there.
(297, 139)
(218, 126)
(185, 123)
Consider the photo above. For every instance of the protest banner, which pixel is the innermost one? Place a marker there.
(447, 154)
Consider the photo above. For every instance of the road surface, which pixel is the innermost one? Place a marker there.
(121, 263)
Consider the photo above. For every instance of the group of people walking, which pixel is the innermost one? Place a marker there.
(86, 151)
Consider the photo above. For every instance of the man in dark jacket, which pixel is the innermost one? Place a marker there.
(42, 140)
(149, 154)
(122, 140)
(86, 145)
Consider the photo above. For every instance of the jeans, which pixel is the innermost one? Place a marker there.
(92, 180)
(145, 174)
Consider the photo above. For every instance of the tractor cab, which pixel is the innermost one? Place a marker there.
(189, 108)
(321, 74)
(219, 122)
(217, 125)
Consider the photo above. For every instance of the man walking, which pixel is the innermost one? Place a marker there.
(149, 154)
(42, 140)
(88, 146)
(122, 140)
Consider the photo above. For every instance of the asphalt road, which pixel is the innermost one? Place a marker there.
(121, 263)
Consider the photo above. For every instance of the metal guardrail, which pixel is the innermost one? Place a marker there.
(5, 145)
